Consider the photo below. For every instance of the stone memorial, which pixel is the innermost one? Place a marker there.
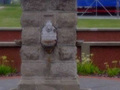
(48, 45)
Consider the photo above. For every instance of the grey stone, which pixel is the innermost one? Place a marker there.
(71, 87)
(14, 89)
(45, 17)
(66, 36)
(60, 53)
(45, 87)
(53, 56)
(27, 87)
(34, 5)
(67, 20)
(63, 5)
(67, 53)
(30, 52)
(34, 69)
(48, 71)
(63, 69)
(58, 87)
(30, 19)
(26, 84)
(86, 89)
(30, 36)
(45, 5)
(39, 83)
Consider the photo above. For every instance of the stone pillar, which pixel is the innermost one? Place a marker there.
(40, 70)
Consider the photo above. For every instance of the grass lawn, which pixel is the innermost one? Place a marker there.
(10, 17)
(98, 23)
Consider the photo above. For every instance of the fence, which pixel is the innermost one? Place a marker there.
(103, 43)
(99, 8)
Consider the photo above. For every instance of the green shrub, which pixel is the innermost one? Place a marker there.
(5, 70)
(6, 66)
(113, 71)
(87, 67)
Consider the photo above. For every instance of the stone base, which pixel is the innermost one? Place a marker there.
(14, 89)
(38, 83)
(85, 89)
(80, 89)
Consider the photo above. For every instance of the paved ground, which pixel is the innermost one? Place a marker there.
(100, 83)
(85, 82)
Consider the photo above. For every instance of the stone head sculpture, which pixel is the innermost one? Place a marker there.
(48, 37)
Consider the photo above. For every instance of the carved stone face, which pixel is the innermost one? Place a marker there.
(48, 27)
(48, 35)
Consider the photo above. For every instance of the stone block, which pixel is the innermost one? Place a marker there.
(45, 87)
(30, 36)
(47, 83)
(44, 5)
(67, 36)
(63, 5)
(45, 17)
(58, 87)
(67, 53)
(53, 56)
(34, 5)
(30, 19)
(71, 87)
(27, 87)
(64, 69)
(67, 20)
(26, 84)
(34, 69)
(14, 89)
(40, 70)
(30, 52)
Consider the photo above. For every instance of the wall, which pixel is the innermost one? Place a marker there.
(8, 46)
(103, 43)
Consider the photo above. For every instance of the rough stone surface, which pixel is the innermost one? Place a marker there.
(30, 19)
(42, 70)
(44, 56)
(63, 69)
(66, 36)
(51, 84)
(45, 5)
(66, 20)
(31, 36)
(27, 87)
(67, 53)
(14, 89)
(30, 52)
(45, 17)
(34, 69)
(51, 69)
(34, 5)
(63, 5)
